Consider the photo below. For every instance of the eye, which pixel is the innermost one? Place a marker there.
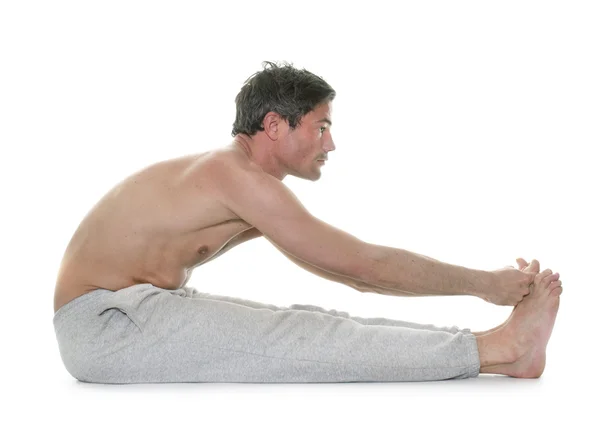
(323, 129)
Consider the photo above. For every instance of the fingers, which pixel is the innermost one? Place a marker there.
(534, 266)
(527, 268)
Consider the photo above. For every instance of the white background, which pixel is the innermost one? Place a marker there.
(466, 131)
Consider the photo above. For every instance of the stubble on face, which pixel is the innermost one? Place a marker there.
(303, 146)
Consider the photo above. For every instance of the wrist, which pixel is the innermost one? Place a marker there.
(481, 283)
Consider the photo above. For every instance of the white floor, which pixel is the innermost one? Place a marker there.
(563, 397)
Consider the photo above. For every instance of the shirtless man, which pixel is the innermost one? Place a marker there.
(123, 312)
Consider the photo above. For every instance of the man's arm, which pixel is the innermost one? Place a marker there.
(395, 269)
(268, 205)
(358, 285)
(355, 284)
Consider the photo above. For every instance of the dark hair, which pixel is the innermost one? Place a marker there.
(290, 92)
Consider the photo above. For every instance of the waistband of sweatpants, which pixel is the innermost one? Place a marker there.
(79, 305)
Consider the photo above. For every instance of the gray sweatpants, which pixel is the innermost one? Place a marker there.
(146, 334)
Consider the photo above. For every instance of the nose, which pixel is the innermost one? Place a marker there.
(330, 146)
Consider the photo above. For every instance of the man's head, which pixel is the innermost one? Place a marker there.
(284, 115)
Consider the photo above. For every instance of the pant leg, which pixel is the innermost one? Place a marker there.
(364, 320)
(145, 334)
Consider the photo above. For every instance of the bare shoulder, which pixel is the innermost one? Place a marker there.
(243, 187)
(272, 208)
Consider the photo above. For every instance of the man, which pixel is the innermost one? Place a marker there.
(123, 313)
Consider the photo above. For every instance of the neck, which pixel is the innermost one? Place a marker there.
(258, 153)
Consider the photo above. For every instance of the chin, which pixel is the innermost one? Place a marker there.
(311, 175)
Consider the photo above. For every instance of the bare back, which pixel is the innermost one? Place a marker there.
(154, 227)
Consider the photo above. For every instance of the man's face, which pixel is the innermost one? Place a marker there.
(310, 141)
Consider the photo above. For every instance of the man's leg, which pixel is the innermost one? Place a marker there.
(145, 334)
(332, 312)
(507, 350)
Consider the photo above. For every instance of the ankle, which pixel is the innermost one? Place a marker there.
(497, 348)
(514, 348)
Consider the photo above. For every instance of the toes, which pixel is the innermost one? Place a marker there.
(551, 281)
(555, 288)
(554, 284)
(539, 278)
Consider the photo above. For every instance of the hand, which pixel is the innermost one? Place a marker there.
(533, 267)
(510, 285)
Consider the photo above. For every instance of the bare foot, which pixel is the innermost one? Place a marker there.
(530, 326)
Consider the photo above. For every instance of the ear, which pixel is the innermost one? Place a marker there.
(272, 123)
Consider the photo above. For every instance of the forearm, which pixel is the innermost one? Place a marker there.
(355, 284)
(407, 273)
